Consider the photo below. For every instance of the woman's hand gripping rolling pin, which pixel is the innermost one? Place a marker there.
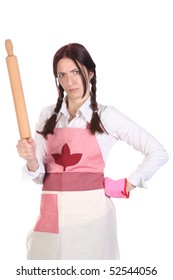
(27, 150)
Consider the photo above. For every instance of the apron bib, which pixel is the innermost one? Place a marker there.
(77, 220)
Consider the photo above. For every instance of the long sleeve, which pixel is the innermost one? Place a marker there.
(125, 129)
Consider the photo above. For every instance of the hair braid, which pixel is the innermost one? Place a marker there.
(51, 122)
(95, 123)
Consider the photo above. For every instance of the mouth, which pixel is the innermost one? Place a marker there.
(72, 89)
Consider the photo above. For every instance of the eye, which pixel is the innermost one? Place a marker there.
(76, 72)
(60, 75)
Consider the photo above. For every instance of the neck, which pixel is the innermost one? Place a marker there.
(74, 105)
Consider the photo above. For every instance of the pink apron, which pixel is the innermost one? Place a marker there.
(77, 220)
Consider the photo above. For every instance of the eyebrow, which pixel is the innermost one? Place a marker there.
(69, 71)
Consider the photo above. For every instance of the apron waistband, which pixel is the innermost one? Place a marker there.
(73, 181)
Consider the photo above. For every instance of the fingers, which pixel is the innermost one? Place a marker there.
(26, 149)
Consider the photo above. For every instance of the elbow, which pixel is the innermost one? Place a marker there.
(164, 158)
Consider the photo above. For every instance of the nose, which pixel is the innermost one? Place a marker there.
(69, 79)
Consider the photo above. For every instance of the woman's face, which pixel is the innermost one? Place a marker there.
(70, 79)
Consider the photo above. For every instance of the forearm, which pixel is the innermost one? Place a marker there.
(32, 165)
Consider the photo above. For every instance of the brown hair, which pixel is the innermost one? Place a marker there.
(78, 54)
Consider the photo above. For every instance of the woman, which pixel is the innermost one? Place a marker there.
(77, 217)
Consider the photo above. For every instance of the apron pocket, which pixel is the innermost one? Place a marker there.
(48, 218)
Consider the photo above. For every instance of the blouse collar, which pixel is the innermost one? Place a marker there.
(85, 110)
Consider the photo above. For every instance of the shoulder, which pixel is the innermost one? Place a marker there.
(47, 111)
(44, 115)
(108, 112)
(114, 120)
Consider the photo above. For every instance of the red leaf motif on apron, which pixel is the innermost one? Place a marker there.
(65, 158)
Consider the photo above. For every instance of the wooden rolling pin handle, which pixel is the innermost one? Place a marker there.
(17, 92)
(9, 47)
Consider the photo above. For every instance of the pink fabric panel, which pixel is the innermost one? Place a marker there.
(116, 188)
(68, 150)
(48, 218)
(73, 181)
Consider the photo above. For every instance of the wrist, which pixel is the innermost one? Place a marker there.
(32, 164)
(129, 187)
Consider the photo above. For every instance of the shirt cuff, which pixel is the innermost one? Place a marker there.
(137, 180)
(29, 175)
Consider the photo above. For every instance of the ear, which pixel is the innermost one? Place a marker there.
(91, 75)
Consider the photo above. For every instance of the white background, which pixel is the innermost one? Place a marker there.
(132, 45)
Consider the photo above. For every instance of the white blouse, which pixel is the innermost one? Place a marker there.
(118, 126)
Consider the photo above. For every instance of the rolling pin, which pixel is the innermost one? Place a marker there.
(17, 92)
